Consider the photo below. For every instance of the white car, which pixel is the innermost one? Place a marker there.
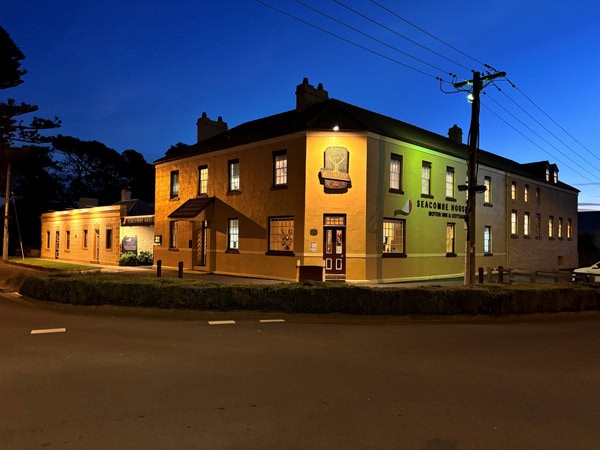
(591, 273)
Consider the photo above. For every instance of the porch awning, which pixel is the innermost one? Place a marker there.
(191, 208)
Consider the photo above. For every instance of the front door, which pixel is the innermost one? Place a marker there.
(334, 247)
(97, 246)
(201, 241)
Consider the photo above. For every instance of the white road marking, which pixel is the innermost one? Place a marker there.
(49, 330)
(272, 320)
(221, 322)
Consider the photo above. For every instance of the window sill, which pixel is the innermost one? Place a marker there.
(514, 236)
(396, 191)
(233, 251)
(393, 255)
(427, 196)
(173, 199)
(280, 253)
(451, 255)
(173, 249)
(234, 192)
(488, 205)
(488, 254)
(202, 195)
(279, 187)
(450, 199)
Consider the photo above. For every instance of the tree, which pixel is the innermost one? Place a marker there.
(16, 134)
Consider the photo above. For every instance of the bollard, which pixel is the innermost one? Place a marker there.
(500, 274)
(180, 272)
(159, 268)
(481, 275)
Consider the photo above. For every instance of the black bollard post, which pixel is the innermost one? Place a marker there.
(500, 274)
(159, 268)
(481, 275)
(180, 273)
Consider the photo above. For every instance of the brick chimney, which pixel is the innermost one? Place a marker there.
(125, 194)
(455, 134)
(208, 128)
(307, 95)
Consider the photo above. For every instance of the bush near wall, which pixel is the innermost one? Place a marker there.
(131, 259)
(308, 297)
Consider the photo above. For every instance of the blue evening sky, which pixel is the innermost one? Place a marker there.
(137, 74)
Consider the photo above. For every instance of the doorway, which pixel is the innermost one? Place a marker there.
(334, 246)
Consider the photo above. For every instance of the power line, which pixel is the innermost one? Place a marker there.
(347, 40)
(412, 41)
(372, 38)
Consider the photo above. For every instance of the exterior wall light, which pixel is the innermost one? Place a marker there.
(336, 128)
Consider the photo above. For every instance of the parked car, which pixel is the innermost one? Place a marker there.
(591, 273)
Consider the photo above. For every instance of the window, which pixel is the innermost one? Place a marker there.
(538, 196)
(396, 173)
(526, 193)
(68, 240)
(233, 235)
(526, 224)
(559, 231)
(555, 175)
(174, 192)
(202, 180)
(514, 230)
(487, 195)
(450, 182)
(85, 238)
(393, 236)
(538, 226)
(47, 239)
(547, 174)
(281, 234)
(551, 227)
(280, 168)
(513, 190)
(487, 239)
(108, 238)
(450, 239)
(234, 175)
(426, 179)
(569, 229)
(173, 234)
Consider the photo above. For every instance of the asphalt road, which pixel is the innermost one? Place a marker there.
(99, 378)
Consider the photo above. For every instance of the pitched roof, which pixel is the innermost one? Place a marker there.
(191, 208)
(325, 115)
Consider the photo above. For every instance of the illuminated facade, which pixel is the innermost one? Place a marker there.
(98, 234)
(364, 196)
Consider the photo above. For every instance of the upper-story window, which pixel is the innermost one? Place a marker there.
(174, 189)
(555, 175)
(569, 229)
(526, 193)
(203, 180)
(551, 227)
(233, 235)
(547, 174)
(234, 175)
(395, 173)
(450, 182)
(513, 190)
(426, 178)
(514, 225)
(487, 195)
(526, 224)
(280, 166)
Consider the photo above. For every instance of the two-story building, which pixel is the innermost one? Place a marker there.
(367, 197)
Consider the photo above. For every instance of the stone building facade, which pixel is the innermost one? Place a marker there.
(359, 196)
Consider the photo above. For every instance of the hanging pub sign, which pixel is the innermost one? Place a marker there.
(335, 173)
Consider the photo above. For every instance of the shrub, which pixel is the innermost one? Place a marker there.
(128, 259)
(145, 258)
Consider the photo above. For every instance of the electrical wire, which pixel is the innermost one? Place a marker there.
(346, 40)
(412, 41)
(372, 38)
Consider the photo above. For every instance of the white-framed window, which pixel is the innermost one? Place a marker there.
(514, 226)
(174, 186)
(234, 174)
(526, 193)
(395, 172)
(487, 195)
(513, 190)
(487, 239)
(450, 182)
(280, 165)
(426, 178)
(203, 179)
(281, 234)
(393, 236)
(559, 230)
(551, 227)
(173, 234)
(450, 238)
(526, 224)
(233, 234)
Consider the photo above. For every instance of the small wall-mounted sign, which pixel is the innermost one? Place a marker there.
(158, 239)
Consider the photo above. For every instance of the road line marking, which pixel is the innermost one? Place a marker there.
(221, 322)
(271, 320)
(49, 330)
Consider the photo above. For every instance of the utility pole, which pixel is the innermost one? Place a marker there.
(6, 214)
(472, 187)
